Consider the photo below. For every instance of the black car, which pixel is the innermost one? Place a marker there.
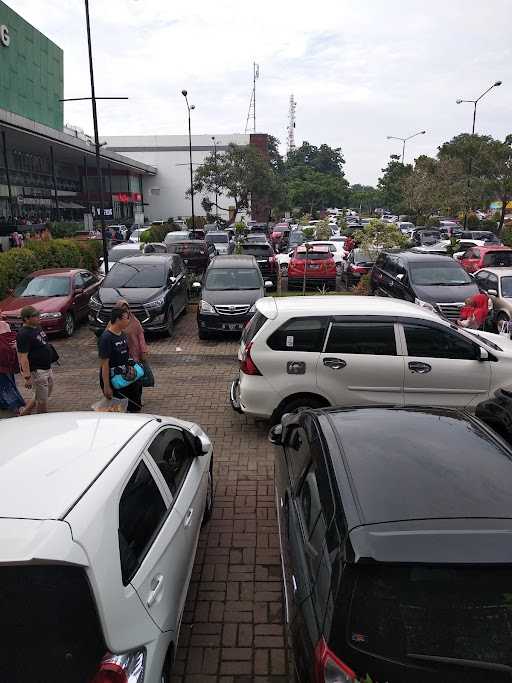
(430, 280)
(484, 235)
(155, 286)
(394, 527)
(425, 237)
(358, 263)
(265, 258)
(230, 288)
(196, 254)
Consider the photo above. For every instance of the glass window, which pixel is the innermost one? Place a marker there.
(434, 342)
(253, 327)
(217, 238)
(506, 287)
(171, 452)
(129, 276)
(298, 454)
(299, 334)
(79, 282)
(232, 279)
(141, 511)
(362, 338)
(481, 279)
(312, 255)
(364, 258)
(492, 282)
(498, 259)
(44, 286)
(442, 272)
(88, 278)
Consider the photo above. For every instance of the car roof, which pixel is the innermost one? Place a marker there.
(192, 242)
(504, 271)
(304, 306)
(495, 248)
(57, 271)
(419, 256)
(48, 461)
(404, 464)
(147, 258)
(232, 261)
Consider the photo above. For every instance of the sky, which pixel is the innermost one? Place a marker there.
(359, 71)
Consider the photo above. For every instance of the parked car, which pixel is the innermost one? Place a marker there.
(497, 283)
(120, 251)
(155, 286)
(357, 263)
(135, 236)
(220, 241)
(229, 290)
(475, 258)
(436, 282)
(60, 294)
(316, 264)
(425, 237)
(196, 254)
(443, 245)
(101, 516)
(176, 236)
(280, 236)
(265, 258)
(484, 235)
(154, 248)
(261, 228)
(406, 227)
(357, 350)
(391, 525)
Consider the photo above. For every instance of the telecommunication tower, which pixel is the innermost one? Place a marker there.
(291, 124)
(251, 114)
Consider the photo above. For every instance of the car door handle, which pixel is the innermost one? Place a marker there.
(334, 363)
(156, 586)
(294, 582)
(188, 517)
(420, 368)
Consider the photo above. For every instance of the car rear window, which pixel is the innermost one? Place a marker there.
(49, 624)
(313, 255)
(498, 259)
(216, 238)
(433, 613)
(364, 258)
(253, 327)
(300, 334)
(190, 249)
(257, 249)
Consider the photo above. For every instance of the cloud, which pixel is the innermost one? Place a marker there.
(359, 70)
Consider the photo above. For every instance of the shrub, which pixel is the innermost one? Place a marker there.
(363, 286)
(506, 237)
(15, 264)
(157, 233)
(200, 222)
(433, 222)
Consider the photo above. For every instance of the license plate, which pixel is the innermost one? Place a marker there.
(233, 327)
(313, 267)
(262, 260)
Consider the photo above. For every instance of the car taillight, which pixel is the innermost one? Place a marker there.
(272, 261)
(330, 669)
(247, 365)
(124, 668)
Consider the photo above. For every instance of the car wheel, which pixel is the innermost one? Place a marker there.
(166, 676)
(210, 493)
(69, 325)
(170, 323)
(295, 404)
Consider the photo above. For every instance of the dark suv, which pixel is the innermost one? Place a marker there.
(155, 287)
(265, 258)
(393, 525)
(230, 288)
(196, 254)
(430, 280)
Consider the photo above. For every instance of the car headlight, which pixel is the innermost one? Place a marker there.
(155, 304)
(424, 304)
(94, 303)
(252, 308)
(50, 316)
(205, 307)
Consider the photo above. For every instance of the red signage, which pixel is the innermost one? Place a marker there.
(127, 197)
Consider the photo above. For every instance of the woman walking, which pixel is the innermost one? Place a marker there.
(10, 399)
(137, 347)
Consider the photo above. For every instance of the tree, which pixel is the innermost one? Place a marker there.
(379, 235)
(323, 159)
(274, 155)
(390, 184)
(364, 196)
(237, 174)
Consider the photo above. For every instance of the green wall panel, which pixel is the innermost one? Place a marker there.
(31, 72)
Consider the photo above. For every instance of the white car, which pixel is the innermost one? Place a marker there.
(135, 236)
(100, 516)
(118, 252)
(357, 350)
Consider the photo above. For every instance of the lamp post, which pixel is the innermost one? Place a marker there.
(404, 140)
(474, 103)
(215, 143)
(189, 109)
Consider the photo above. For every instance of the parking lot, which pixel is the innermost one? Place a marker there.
(232, 628)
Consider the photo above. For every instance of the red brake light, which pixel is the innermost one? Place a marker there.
(110, 672)
(330, 669)
(247, 365)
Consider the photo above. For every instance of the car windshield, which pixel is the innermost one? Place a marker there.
(217, 238)
(433, 614)
(506, 287)
(313, 255)
(129, 276)
(43, 285)
(227, 279)
(117, 254)
(257, 249)
(296, 238)
(439, 273)
(361, 256)
(176, 236)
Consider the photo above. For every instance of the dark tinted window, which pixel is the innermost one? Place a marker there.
(365, 338)
(129, 276)
(442, 272)
(312, 255)
(481, 279)
(498, 259)
(506, 287)
(190, 249)
(232, 279)
(78, 282)
(88, 279)
(435, 342)
(253, 327)
(171, 452)
(257, 249)
(141, 511)
(299, 334)
(492, 283)
(418, 612)
(298, 455)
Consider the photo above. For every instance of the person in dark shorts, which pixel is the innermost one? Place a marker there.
(115, 359)
(35, 358)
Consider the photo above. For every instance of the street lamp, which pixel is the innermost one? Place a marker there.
(189, 109)
(215, 143)
(475, 102)
(404, 140)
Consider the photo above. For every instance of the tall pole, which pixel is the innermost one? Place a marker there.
(189, 109)
(216, 186)
(254, 94)
(403, 153)
(8, 177)
(96, 141)
(404, 140)
(54, 179)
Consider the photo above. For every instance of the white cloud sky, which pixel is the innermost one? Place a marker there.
(359, 70)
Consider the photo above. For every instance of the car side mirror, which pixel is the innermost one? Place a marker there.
(400, 276)
(492, 292)
(268, 284)
(275, 435)
(484, 355)
(172, 279)
(196, 285)
(199, 447)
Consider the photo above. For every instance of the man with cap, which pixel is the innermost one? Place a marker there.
(35, 357)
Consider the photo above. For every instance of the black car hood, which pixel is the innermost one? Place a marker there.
(238, 296)
(445, 293)
(109, 296)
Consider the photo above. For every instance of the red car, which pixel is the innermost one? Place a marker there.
(280, 236)
(317, 262)
(479, 257)
(60, 294)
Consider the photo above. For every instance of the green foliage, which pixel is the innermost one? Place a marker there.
(473, 222)
(390, 185)
(380, 235)
(433, 222)
(157, 233)
(16, 264)
(506, 237)
(200, 222)
(364, 196)
(309, 232)
(323, 231)
(363, 286)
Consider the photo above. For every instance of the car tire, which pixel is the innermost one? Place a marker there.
(166, 676)
(69, 325)
(170, 323)
(210, 495)
(295, 404)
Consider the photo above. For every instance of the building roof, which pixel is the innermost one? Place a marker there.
(48, 461)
